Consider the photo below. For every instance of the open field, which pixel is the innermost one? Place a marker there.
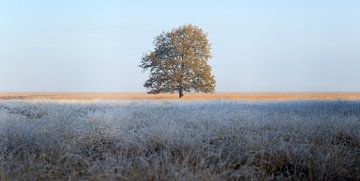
(180, 140)
(215, 96)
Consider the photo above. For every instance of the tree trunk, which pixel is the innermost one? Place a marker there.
(181, 94)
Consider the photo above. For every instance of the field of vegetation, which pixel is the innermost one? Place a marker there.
(253, 96)
(180, 140)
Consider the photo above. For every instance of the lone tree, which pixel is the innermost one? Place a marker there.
(179, 62)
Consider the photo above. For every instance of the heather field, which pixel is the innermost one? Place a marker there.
(180, 140)
(249, 96)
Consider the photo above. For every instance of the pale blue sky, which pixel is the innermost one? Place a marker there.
(88, 45)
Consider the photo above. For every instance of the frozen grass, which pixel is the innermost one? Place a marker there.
(173, 140)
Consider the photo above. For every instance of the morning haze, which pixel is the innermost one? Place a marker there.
(257, 46)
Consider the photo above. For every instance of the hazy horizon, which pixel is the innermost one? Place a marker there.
(262, 46)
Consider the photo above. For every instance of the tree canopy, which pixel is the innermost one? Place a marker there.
(179, 62)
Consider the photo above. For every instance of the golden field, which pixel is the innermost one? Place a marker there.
(192, 96)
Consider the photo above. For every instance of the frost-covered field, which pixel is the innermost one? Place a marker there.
(174, 140)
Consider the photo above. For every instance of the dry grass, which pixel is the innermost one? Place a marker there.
(216, 96)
